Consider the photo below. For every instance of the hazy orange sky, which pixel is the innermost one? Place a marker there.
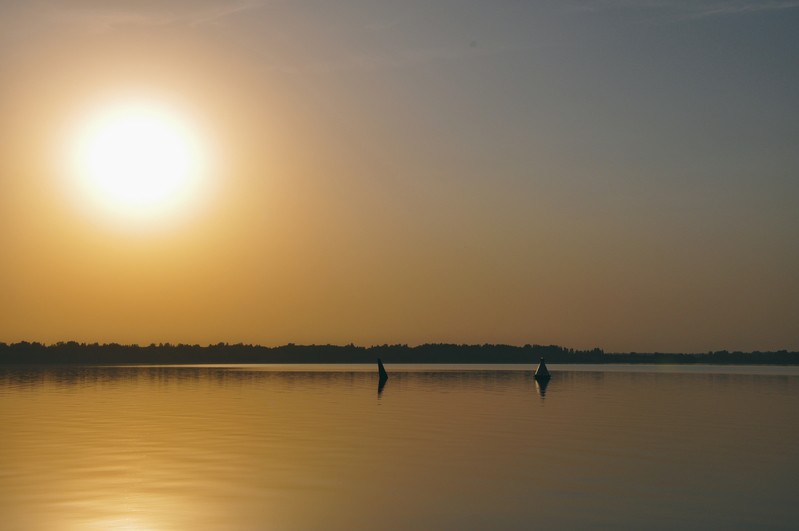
(608, 174)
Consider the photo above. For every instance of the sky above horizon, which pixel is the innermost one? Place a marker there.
(610, 174)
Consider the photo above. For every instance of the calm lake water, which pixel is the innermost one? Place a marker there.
(443, 447)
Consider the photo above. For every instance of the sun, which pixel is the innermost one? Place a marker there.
(138, 159)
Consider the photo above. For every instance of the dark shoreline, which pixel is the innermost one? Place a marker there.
(71, 353)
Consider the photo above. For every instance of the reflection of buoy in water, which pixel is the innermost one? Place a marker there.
(541, 384)
(542, 373)
(381, 371)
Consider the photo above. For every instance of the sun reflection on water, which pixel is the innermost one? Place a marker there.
(122, 523)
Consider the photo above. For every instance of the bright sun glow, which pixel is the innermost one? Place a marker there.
(138, 160)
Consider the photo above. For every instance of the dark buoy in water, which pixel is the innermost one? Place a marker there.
(381, 371)
(383, 377)
(542, 373)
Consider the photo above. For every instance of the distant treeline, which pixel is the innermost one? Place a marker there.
(25, 353)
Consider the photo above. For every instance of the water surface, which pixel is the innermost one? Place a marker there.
(446, 447)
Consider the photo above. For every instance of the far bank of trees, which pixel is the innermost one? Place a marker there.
(71, 352)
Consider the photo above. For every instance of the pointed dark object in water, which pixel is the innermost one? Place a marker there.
(381, 371)
(542, 373)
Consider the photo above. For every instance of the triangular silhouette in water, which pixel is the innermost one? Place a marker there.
(542, 373)
(381, 371)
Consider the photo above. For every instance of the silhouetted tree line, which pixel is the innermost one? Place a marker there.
(24, 353)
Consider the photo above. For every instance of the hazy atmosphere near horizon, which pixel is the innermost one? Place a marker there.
(613, 174)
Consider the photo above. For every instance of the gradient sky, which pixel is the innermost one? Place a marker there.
(617, 174)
